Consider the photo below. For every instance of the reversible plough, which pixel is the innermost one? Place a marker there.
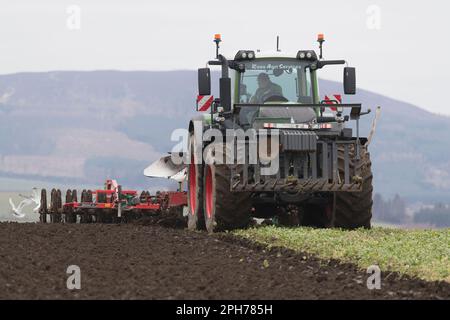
(109, 205)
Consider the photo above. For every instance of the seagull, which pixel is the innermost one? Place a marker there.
(35, 198)
(17, 211)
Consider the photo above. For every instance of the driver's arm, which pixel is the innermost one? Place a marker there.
(278, 90)
(254, 99)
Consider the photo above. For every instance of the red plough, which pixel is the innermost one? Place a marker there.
(109, 205)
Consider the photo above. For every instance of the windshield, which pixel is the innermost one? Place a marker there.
(273, 80)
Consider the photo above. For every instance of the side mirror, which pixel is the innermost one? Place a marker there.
(204, 82)
(349, 80)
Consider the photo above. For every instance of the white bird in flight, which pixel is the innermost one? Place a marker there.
(34, 198)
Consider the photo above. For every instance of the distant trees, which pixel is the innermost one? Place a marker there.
(438, 216)
(392, 210)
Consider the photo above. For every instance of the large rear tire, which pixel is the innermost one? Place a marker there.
(196, 219)
(223, 210)
(354, 209)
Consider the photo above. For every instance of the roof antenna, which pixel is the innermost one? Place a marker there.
(278, 44)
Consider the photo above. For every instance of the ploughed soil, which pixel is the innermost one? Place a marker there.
(138, 261)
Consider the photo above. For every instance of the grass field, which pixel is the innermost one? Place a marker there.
(419, 253)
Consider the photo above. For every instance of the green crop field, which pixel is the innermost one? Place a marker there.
(419, 253)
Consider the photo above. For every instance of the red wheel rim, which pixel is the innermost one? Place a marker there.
(209, 193)
(192, 186)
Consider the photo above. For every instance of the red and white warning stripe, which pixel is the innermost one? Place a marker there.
(204, 102)
(334, 98)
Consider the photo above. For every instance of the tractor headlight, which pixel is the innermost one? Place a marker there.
(307, 55)
(244, 55)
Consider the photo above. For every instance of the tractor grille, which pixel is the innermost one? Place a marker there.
(295, 140)
(305, 164)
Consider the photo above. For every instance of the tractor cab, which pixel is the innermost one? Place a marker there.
(273, 78)
(252, 79)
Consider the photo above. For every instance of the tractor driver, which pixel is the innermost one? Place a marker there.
(266, 89)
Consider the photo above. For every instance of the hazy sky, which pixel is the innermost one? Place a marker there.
(400, 48)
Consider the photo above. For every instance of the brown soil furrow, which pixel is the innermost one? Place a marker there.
(150, 262)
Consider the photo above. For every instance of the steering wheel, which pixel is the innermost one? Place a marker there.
(275, 98)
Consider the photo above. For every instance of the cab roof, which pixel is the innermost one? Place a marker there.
(275, 54)
(271, 54)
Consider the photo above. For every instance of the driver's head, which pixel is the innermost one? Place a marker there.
(263, 80)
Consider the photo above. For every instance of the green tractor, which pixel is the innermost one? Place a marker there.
(289, 157)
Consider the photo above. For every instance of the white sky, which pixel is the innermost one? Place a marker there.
(406, 58)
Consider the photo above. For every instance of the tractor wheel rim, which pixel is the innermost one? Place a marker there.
(192, 186)
(209, 193)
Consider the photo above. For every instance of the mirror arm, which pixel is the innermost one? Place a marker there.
(224, 63)
(320, 64)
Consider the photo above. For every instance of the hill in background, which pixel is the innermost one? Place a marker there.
(80, 127)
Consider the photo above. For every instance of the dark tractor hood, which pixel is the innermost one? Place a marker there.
(248, 114)
(299, 115)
